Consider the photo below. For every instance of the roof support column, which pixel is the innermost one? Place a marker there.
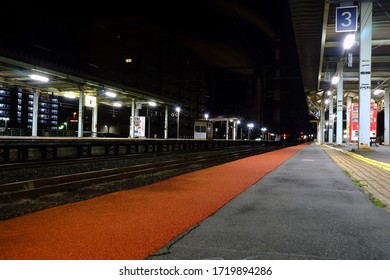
(365, 74)
(320, 132)
(94, 120)
(339, 104)
(227, 129)
(131, 130)
(330, 119)
(80, 129)
(348, 120)
(234, 129)
(166, 123)
(34, 125)
(387, 116)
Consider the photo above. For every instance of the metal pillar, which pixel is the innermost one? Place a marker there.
(178, 125)
(330, 119)
(80, 127)
(387, 117)
(34, 125)
(234, 130)
(227, 130)
(131, 129)
(319, 135)
(348, 120)
(322, 121)
(94, 120)
(339, 104)
(166, 123)
(365, 74)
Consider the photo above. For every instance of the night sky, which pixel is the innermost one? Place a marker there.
(239, 36)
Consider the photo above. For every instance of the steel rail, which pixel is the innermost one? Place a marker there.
(37, 187)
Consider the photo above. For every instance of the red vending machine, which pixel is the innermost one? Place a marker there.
(354, 117)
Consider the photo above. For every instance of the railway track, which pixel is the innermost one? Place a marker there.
(37, 187)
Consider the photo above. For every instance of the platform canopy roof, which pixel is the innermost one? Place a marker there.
(61, 81)
(320, 47)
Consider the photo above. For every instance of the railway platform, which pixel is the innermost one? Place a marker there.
(300, 202)
(307, 208)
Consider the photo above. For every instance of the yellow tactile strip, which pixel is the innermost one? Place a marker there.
(373, 174)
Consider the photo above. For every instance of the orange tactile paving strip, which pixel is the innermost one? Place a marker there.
(135, 223)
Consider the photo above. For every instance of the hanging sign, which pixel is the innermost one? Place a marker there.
(346, 19)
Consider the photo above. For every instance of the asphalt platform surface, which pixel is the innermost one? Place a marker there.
(307, 208)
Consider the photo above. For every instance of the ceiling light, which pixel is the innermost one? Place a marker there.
(348, 41)
(117, 104)
(39, 78)
(110, 94)
(152, 103)
(378, 91)
(69, 95)
(335, 80)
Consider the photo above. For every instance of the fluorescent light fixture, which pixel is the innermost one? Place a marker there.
(152, 103)
(117, 104)
(39, 78)
(378, 91)
(348, 41)
(335, 80)
(110, 94)
(70, 95)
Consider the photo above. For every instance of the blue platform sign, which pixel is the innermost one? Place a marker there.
(346, 19)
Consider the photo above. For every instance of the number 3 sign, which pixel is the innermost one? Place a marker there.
(346, 19)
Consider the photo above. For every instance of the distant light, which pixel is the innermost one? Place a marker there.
(335, 80)
(152, 103)
(117, 104)
(39, 78)
(128, 60)
(250, 125)
(70, 95)
(206, 116)
(238, 122)
(110, 94)
(348, 41)
(326, 101)
(329, 92)
(178, 109)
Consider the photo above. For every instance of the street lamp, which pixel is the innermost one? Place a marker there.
(250, 127)
(178, 120)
